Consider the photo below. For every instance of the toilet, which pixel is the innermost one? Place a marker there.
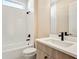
(29, 53)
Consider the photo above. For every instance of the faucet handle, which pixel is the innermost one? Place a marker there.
(67, 34)
(59, 35)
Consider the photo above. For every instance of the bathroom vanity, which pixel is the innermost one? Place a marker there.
(47, 51)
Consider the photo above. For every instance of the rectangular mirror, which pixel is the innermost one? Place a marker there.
(64, 16)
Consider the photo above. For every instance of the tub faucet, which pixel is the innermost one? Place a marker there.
(62, 36)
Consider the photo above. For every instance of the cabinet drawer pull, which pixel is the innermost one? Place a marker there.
(45, 57)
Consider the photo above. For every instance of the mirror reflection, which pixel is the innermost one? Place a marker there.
(64, 16)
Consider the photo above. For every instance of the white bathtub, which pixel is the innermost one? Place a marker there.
(13, 51)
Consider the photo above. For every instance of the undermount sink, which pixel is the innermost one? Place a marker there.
(60, 43)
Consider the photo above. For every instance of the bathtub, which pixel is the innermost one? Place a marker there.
(14, 51)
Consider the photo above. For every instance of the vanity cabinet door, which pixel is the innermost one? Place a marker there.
(60, 55)
(45, 52)
(42, 55)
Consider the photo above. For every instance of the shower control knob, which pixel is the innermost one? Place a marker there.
(27, 39)
(28, 12)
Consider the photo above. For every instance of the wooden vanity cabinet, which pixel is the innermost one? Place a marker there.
(61, 55)
(42, 55)
(45, 52)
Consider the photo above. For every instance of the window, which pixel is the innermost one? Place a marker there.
(14, 4)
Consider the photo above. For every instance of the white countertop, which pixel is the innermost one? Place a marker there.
(72, 50)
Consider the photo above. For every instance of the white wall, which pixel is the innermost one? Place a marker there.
(16, 24)
(43, 18)
(30, 25)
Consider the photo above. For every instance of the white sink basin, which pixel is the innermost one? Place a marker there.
(60, 43)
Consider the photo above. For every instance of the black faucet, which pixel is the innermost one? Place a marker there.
(62, 36)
